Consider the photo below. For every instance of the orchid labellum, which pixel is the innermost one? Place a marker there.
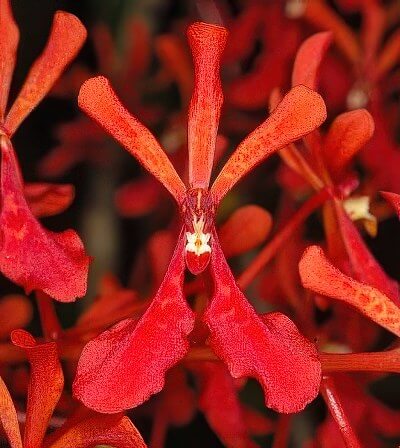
(123, 366)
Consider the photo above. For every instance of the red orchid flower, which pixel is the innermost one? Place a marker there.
(30, 255)
(44, 391)
(132, 357)
(327, 162)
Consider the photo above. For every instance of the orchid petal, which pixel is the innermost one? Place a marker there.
(45, 386)
(348, 134)
(270, 349)
(318, 274)
(113, 430)
(66, 38)
(132, 357)
(308, 60)
(301, 111)
(31, 256)
(8, 50)
(245, 229)
(99, 101)
(48, 199)
(207, 43)
(8, 417)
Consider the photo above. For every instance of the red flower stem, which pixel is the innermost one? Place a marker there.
(332, 400)
(51, 326)
(282, 433)
(281, 237)
(388, 361)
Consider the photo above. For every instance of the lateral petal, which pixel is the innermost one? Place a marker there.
(321, 276)
(245, 229)
(45, 385)
(123, 366)
(348, 134)
(268, 348)
(207, 43)
(31, 256)
(98, 100)
(301, 111)
(8, 49)
(309, 58)
(66, 38)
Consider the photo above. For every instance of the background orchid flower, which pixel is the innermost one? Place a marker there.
(45, 387)
(31, 256)
(272, 350)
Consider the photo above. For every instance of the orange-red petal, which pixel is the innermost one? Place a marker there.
(301, 111)
(245, 229)
(348, 134)
(99, 101)
(207, 43)
(8, 417)
(8, 49)
(66, 38)
(321, 276)
(113, 430)
(45, 386)
(48, 199)
(309, 58)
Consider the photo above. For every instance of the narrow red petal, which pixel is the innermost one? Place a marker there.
(270, 349)
(393, 199)
(245, 229)
(99, 101)
(318, 274)
(31, 256)
(48, 199)
(308, 60)
(207, 43)
(8, 49)
(123, 366)
(8, 417)
(301, 111)
(348, 134)
(45, 386)
(66, 38)
(113, 430)
(219, 402)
